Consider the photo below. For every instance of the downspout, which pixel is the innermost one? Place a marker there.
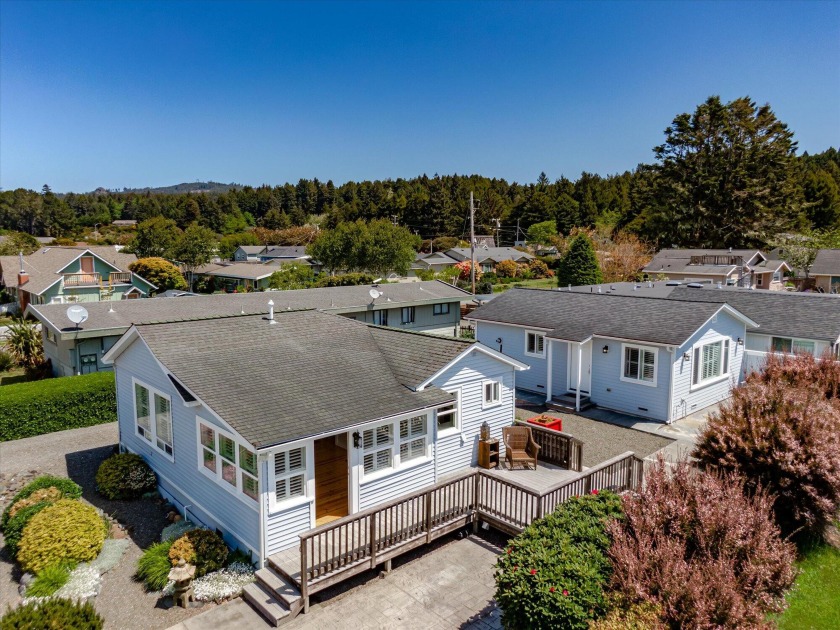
(670, 417)
(263, 458)
(550, 353)
(580, 369)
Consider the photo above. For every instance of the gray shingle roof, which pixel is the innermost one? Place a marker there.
(307, 374)
(574, 316)
(118, 316)
(827, 263)
(252, 249)
(286, 251)
(496, 254)
(415, 356)
(677, 260)
(248, 271)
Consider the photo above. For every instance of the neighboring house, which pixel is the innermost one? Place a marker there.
(59, 275)
(434, 261)
(433, 307)
(488, 257)
(826, 271)
(130, 223)
(546, 250)
(241, 276)
(787, 321)
(284, 252)
(655, 358)
(749, 268)
(485, 240)
(248, 253)
(328, 418)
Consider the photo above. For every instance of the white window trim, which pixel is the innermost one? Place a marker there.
(700, 384)
(217, 476)
(275, 506)
(396, 464)
(457, 413)
(793, 340)
(537, 334)
(495, 403)
(638, 381)
(152, 420)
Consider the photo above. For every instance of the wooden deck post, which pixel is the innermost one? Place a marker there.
(304, 582)
(372, 541)
(429, 516)
(476, 501)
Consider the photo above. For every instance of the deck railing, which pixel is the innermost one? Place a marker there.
(83, 279)
(119, 277)
(335, 551)
(556, 447)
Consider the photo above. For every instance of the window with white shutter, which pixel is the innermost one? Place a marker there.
(535, 344)
(377, 444)
(142, 416)
(289, 474)
(711, 362)
(163, 423)
(412, 438)
(639, 364)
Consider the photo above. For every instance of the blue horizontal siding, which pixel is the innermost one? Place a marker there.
(513, 345)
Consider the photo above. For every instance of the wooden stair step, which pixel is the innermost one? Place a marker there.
(265, 603)
(285, 592)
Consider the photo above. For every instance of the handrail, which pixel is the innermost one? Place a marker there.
(557, 447)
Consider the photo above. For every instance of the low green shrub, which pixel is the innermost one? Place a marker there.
(201, 547)
(69, 489)
(7, 361)
(15, 526)
(52, 614)
(29, 409)
(153, 566)
(67, 530)
(554, 573)
(49, 580)
(125, 476)
(44, 495)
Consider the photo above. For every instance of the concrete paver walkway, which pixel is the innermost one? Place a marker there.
(448, 587)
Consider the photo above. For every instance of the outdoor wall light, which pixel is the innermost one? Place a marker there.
(357, 439)
(740, 341)
(605, 349)
(687, 356)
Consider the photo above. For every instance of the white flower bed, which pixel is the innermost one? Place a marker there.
(219, 585)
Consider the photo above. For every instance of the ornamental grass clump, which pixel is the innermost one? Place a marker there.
(49, 580)
(781, 431)
(125, 476)
(554, 573)
(66, 531)
(201, 547)
(696, 547)
(52, 614)
(153, 566)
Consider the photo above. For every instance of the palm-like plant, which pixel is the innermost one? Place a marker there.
(23, 340)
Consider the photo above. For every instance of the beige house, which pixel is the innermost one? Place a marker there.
(748, 268)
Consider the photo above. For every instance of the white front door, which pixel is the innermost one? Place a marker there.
(585, 366)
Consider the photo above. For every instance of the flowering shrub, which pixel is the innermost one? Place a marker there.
(507, 269)
(223, 584)
(464, 272)
(694, 545)
(556, 570)
(201, 547)
(125, 476)
(44, 495)
(781, 432)
(539, 269)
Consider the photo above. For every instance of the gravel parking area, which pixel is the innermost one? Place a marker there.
(602, 440)
(77, 454)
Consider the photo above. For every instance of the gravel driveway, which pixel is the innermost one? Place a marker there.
(76, 454)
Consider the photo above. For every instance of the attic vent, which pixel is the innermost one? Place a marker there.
(188, 398)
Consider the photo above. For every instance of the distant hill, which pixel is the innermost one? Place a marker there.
(187, 187)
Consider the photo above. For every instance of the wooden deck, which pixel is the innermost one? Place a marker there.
(539, 480)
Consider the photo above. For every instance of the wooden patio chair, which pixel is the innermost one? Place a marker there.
(520, 447)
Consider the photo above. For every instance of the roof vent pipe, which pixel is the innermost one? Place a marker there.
(271, 312)
(599, 288)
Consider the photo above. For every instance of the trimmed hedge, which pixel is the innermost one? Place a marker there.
(71, 402)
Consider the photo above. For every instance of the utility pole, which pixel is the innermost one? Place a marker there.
(498, 223)
(472, 242)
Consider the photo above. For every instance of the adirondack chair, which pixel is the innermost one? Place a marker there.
(520, 447)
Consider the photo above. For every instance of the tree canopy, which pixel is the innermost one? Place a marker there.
(161, 273)
(378, 247)
(579, 264)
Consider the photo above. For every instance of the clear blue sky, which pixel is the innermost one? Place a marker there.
(120, 94)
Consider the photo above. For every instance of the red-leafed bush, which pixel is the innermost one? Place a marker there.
(706, 555)
(781, 432)
(464, 270)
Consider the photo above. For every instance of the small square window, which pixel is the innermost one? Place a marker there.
(440, 309)
(492, 393)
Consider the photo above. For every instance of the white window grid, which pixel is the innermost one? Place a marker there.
(491, 395)
(413, 438)
(290, 474)
(639, 364)
(153, 417)
(449, 416)
(230, 462)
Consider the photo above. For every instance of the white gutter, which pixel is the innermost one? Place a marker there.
(672, 350)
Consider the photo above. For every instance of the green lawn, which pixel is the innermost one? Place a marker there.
(814, 602)
(545, 283)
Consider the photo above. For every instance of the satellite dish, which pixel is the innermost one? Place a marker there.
(77, 314)
(374, 293)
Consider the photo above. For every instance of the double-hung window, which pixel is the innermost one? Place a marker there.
(290, 474)
(380, 318)
(231, 463)
(492, 393)
(407, 314)
(448, 415)
(711, 361)
(639, 364)
(535, 344)
(378, 446)
(440, 309)
(153, 417)
(412, 438)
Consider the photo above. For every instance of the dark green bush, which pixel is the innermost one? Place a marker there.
(201, 547)
(52, 614)
(125, 476)
(554, 574)
(154, 566)
(69, 490)
(7, 361)
(29, 409)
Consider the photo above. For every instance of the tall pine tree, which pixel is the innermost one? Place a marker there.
(579, 265)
